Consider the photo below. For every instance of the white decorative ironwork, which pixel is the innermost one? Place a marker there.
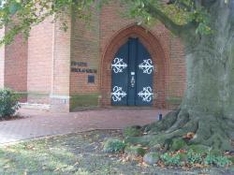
(146, 94)
(118, 94)
(147, 66)
(118, 65)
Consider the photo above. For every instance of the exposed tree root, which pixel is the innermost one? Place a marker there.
(213, 132)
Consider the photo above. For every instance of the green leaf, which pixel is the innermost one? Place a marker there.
(14, 7)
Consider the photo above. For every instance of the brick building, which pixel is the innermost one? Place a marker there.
(112, 62)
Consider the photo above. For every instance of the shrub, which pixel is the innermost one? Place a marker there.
(8, 103)
(113, 145)
(219, 161)
(170, 159)
(194, 158)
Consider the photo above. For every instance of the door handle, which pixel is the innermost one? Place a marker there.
(132, 79)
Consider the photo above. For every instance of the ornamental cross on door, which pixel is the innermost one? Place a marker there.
(146, 94)
(147, 66)
(118, 65)
(118, 94)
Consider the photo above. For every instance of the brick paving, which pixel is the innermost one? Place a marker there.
(41, 123)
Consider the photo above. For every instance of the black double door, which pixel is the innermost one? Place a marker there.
(132, 75)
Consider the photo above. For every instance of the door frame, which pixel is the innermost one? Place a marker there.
(159, 58)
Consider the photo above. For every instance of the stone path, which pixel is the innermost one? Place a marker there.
(39, 123)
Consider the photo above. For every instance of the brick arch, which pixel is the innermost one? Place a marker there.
(158, 57)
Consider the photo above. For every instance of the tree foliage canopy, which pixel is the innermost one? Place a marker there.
(20, 15)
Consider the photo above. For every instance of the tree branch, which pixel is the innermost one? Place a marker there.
(169, 24)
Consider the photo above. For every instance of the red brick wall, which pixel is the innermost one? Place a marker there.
(84, 55)
(176, 81)
(40, 62)
(2, 60)
(16, 64)
(61, 60)
(85, 62)
(59, 98)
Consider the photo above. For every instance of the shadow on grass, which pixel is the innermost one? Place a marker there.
(79, 154)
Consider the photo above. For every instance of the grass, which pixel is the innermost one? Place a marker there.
(35, 157)
(70, 154)
(78, 154)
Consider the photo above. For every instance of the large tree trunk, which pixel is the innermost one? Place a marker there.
(207, 110)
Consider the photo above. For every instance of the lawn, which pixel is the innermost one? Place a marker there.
(81, 154)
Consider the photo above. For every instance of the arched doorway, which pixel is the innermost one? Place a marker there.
(152, 49)
(132, 75)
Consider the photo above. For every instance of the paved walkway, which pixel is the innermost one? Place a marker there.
(39, 123)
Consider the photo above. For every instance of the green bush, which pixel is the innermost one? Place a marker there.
(219, 161)
(9, 103)
(170, 159)
(113, 145)
(194, 158)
